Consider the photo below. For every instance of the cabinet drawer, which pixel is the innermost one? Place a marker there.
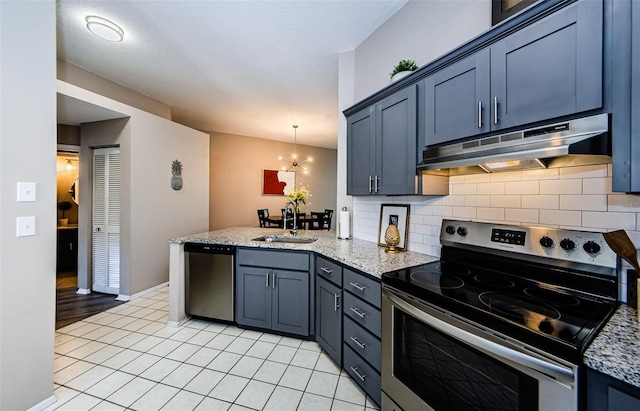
(329, 270)
(362, 313)
(273, 259)
(362, 373)
(365, 288)
(362, 342)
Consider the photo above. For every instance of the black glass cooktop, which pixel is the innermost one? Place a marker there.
(554, 318)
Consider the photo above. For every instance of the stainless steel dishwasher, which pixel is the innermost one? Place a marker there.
(209, 282)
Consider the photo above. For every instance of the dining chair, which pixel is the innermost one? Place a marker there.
(264, 220)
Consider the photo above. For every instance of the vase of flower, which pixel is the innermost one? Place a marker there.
(299, 195)
(64, 206)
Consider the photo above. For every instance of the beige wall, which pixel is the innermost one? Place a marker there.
(69, 135)
(236, 178)
(27, 153)
(151, 213)
(75, 75)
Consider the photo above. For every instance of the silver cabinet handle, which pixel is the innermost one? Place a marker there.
(358, 343)
(376, 183)
(495, 110)
(479, 114)
(355, 370)
(273, 282)
(336, 305)
(326, 270)
(357, 286)
(267, 280)
(358, 312)
(370, 183)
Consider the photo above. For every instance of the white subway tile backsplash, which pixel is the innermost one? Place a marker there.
(491, 188)
(522, 187)
(506, 201)
(493, 214)
(506, 176)
(463, 212)
(545, 174)
(522, 215)
(591, 202)
(478, 178)
(599, 170)
(551, 202)
(573, 198)
(609, 220)
(596, 185)
(560, 217)
(463, 189)
(444, 211)
(477, 201)
(573, 186)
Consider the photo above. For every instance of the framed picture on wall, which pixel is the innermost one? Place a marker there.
(398, 215)
(503, 9)
(277, 182)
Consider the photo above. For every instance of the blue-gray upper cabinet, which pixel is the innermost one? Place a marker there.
(551, 68)
(456, 100)
(382, 146)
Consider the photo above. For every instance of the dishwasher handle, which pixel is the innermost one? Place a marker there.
(205, 248)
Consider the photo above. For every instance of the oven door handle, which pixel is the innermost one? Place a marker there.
(561, 374)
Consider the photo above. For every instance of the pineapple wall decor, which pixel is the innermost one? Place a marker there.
(176, 175)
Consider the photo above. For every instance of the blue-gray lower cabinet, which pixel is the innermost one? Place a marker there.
(275, 297)
(605, 393)
(329, 318)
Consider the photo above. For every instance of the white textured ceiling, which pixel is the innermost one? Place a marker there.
(243, 67)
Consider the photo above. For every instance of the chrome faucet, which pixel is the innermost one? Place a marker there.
(294, 232)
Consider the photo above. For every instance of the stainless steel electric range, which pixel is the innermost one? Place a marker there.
(499, 323)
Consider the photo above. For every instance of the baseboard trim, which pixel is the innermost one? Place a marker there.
(122, 297)
(83, 291)
(176, 324)
(44, 404)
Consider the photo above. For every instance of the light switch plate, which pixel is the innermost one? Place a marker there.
(25, 226)
(26, 192)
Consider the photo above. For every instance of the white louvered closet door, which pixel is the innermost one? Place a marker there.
(106, 220)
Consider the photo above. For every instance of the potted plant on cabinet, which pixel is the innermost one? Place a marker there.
(403, 68)
(64, 206)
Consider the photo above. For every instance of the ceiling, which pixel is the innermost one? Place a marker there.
(252, 68)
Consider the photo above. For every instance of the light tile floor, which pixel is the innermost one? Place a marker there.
(128, 358)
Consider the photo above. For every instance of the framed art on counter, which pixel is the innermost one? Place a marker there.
(398, 215)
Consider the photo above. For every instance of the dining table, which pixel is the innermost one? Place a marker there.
(303, 220)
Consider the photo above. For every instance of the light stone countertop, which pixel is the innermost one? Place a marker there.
(359, 254)
(616, 350)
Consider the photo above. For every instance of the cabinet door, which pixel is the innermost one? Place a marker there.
(329, 318)
(253, 296)
(290, 302)
(396, 143)
(549, 69)
(360, 152)
(456, 100)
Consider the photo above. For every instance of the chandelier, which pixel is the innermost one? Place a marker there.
(294, 161)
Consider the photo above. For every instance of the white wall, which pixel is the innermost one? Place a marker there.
(27, 153)
(422, 31)
(151, 213)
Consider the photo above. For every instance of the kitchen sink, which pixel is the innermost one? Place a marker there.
(285, 239)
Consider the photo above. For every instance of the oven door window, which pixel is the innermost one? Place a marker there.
(449, 375)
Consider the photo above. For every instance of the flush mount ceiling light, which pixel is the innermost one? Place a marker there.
(294, 162)
(105, 29)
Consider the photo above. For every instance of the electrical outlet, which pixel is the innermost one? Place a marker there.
(632, 288)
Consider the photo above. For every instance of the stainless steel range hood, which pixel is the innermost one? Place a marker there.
(575, 142)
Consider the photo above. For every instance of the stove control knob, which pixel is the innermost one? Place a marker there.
(450, 229)
(462, 231)
(591, 247)
(547, 242)
(568, 244)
